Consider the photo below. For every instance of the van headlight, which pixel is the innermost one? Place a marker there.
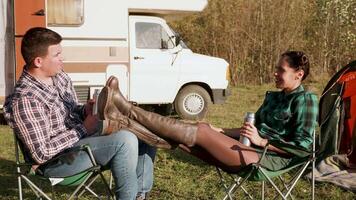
(228, 75)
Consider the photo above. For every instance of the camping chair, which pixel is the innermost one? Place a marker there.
(82, 180)
(256, 172)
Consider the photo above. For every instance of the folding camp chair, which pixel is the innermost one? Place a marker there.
(82, 180)
(256, 172)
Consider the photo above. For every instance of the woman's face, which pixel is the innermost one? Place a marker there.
(286, 77)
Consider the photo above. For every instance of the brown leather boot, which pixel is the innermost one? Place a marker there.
(113, 121)
(164, 127)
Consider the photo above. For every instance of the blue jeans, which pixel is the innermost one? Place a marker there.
(119, 152)
(144, 170)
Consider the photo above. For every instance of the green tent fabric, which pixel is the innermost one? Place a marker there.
(331, 114)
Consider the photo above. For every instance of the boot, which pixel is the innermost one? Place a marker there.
(164, 127)
(112, 126)
(113, 121)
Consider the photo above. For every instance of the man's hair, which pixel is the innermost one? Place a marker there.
(36, 41)
(298, 61)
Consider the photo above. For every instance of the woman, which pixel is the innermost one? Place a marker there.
(286, 119)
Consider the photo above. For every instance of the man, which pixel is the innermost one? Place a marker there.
(45, 115)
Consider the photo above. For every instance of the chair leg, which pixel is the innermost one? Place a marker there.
(111, 180)
(34, 190)
(313, 181)
(53, 195)
(237, 182)
(87, 187)
(286, 186)
(273, 184)
(34, 187)
(19, 186)
(110, 192)
(223, 182)
(296, 180)
(80, 186)
(236, 185)
(313, 168)
(263, 190)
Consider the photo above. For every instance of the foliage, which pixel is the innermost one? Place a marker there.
(251, 35)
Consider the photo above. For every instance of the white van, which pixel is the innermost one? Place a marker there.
(129, 39)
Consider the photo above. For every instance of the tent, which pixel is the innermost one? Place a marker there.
(337, 118)
(337, 121)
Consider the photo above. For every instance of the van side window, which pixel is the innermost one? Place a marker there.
(65, 12)
(151, 35)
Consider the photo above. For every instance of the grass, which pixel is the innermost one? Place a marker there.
(178, 175)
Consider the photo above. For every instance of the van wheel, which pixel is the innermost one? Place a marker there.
(192, 102)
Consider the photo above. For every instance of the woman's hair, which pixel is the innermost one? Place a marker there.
(297, 60)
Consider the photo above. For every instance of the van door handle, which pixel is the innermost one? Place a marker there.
(138, 58)
(40, 12)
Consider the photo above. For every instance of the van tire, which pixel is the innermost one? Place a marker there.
(192, 102)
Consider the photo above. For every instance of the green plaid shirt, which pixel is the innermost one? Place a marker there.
(288, 119)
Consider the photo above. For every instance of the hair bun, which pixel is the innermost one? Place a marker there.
(303, 59)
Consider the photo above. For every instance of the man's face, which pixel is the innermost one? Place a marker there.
(52, 63)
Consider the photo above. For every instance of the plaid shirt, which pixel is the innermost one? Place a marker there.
(290, 118)
(47, 119)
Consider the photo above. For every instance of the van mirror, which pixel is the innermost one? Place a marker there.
(177, 39)
(164, 44)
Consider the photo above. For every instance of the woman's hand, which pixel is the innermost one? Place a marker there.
(250, 131)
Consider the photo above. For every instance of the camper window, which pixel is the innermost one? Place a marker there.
(150, 36)
(65, 12)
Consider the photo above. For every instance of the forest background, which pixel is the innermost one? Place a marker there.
(252, 34)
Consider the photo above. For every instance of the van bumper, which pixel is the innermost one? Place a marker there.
(220, 95)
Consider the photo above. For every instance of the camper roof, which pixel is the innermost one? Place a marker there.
(165, 7)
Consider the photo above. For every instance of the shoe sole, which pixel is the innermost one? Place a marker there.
(103, 102)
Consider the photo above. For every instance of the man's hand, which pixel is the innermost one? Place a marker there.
(91, 123)
(89, 107)
(250, 131)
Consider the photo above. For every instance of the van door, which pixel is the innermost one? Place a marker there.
(154, 71)
(28, 14)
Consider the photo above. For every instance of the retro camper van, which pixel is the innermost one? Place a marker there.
(129, 39)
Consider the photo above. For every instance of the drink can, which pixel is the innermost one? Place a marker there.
(249, 117)
(95, 98)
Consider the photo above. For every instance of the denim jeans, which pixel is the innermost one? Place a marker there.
(144, 170)
(119, 152)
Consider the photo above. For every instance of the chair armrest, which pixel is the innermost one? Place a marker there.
(264, 153)
(289, 148)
